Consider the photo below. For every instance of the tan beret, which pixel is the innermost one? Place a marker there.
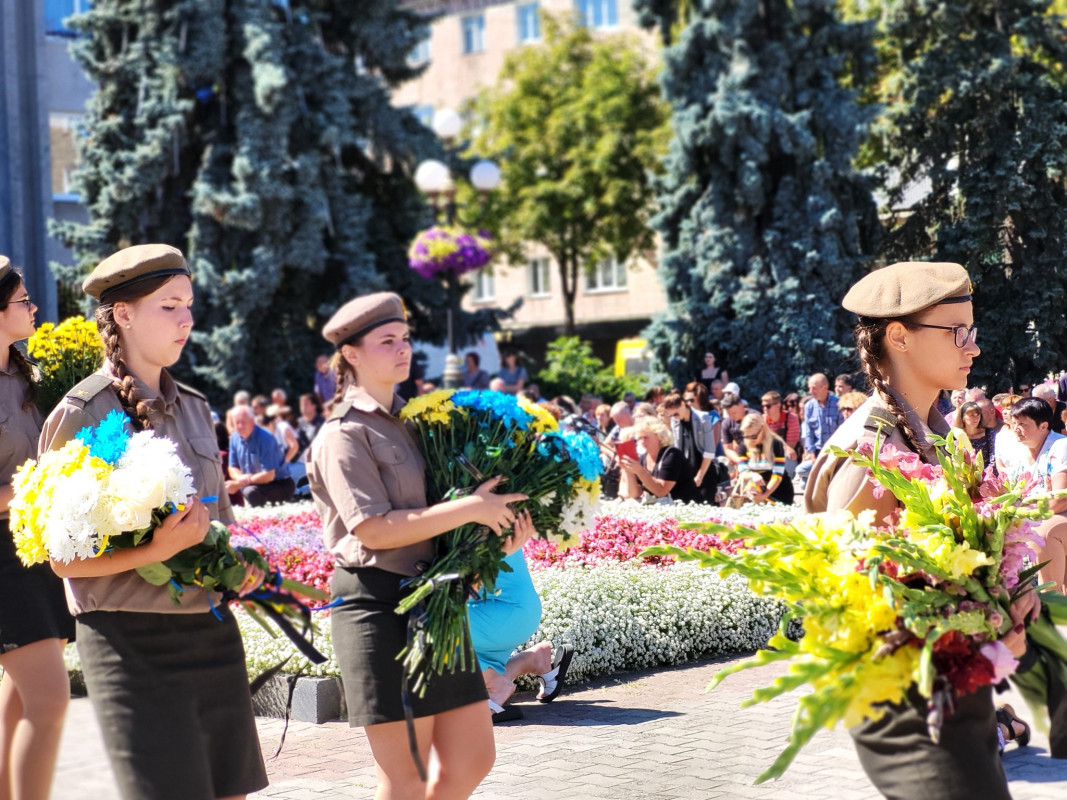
(138, 263)
(902, 289)
(5, 267)
(362, 315)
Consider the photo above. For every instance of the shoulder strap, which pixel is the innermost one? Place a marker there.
(341, 409)
(88, 389)
(878, 419)
(187, 389)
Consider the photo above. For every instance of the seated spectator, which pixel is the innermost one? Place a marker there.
(734, 411)
(1048, 393)
(279, 397)
(696, 394)
(693, 432)
(1042, 462)
(843, 384)
(654, 395)
(473, 376)
(849, 402)
(311, 419)
(763, 453)
(1004, 442)
(257, 468)
(621, 419)
(957, 398)
(282, 431)
(512, 374)
(533, 391)
(325, 380)
(630, 399)
(241, 398)
(496, 385)
(259, 409)
(717, 389)
(969, 420)
(663, 471)
(785, 425)
(602, 415)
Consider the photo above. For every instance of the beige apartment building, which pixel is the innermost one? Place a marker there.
(465, 51)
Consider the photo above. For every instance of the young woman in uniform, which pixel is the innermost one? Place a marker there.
(915, 336)
(34, 621)
(168, 682)
(367, 478)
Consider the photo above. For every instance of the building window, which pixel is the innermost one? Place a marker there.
(420, 53)
(64, 129)
(598, 13)
(473, 33)
(537, 270)
(483, 285)
(606, 276)
(55, 11)
(528, 20)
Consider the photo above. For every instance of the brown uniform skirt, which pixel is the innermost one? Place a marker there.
(368, 635)
(171, 694)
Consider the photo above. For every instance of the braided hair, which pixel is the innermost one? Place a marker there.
(8, 286)
(345, 372)
(133, 403)
(870, 343)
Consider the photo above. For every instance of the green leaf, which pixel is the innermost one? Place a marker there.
(156, 574)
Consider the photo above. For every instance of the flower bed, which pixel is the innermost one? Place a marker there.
(617, 612)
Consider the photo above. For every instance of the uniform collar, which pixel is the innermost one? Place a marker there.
(162, 401)
(362, 401)
(934, 422)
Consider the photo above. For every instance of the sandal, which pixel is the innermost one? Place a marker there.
(552, 681)
(1006, 717)
(504, 713)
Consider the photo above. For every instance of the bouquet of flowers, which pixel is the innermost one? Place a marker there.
(921, 598)
(449, 251)
(467, 437)
(65, 354)
(106, 489)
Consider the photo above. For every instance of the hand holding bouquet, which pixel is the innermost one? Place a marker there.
(467, 437)
(106, 490)
(927, 597)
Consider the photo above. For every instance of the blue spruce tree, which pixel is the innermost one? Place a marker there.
(765, 222)
(258, 136)
(976, 129)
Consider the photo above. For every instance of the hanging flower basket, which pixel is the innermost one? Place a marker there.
(441, 251)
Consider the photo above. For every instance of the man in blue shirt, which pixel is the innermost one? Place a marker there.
(257, 466)
(821, 419)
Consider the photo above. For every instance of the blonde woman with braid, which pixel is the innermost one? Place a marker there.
(34, 622)
(915, 336)
(167, 681)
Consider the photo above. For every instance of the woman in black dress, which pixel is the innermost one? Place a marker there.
(34, 621)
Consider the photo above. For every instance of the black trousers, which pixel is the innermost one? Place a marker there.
(280, 491)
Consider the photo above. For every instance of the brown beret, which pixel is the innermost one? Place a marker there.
(141, 262)
(362, 315)
(5, 267)
(902, 289)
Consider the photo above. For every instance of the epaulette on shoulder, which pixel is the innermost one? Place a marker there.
(341, 409)
(187, 389)
(879, 420)
(88, 389)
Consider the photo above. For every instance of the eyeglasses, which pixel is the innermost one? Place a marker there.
(961, 334)
(769, 405)
(792, 403)
(751, 437)
(26, 301)
(689, 399)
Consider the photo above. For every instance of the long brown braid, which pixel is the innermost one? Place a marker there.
(346, 375)
(135, 406)
(870, 343)
(8, 286)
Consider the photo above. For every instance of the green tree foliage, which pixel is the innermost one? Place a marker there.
(765, 222)
(572, 369)
(977, 132)
(577, 126)
(258, 137)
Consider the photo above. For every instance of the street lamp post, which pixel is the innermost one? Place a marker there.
(434, 179)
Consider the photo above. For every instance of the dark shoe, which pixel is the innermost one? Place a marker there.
(552, 681)
(504, 713)
(1006, 717)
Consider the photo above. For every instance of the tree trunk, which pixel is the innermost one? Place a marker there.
(568, 280)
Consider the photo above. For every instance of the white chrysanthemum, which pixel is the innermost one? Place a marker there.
(158, 457)
(69, 522)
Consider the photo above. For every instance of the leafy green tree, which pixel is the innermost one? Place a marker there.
(258, 137)
(977, 141)
(577, 126)
(571, 368)
(764, 219)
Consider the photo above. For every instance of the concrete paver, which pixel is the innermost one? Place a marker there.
(641, 736)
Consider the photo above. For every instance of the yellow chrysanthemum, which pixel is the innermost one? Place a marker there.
(435, 407)
(543, 421)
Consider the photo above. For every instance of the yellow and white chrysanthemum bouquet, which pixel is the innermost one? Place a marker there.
(920, 599)
(65, 354)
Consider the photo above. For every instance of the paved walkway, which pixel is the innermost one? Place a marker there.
(639, 736)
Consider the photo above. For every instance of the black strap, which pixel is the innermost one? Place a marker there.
(405, 693)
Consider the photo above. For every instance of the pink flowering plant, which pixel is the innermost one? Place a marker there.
(921, 598)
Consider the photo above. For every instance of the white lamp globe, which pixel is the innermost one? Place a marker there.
(485, 176)
(447, 123)
(432, 177)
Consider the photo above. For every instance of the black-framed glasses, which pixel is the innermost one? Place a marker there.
(962, 335)
(768, 405)
(26, 301)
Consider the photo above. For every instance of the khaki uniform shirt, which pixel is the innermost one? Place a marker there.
(185, 419)
(838, 483)
(364, 463)
(19, 428)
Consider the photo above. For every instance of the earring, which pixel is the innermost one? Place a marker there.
(128, 327)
